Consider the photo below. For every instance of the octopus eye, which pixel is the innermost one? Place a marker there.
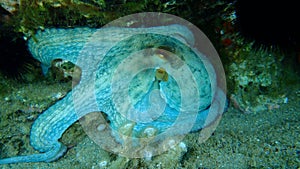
(161, 74)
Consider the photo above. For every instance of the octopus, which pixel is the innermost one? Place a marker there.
(150, 83)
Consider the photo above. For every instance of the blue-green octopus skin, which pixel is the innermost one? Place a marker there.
(84, 46)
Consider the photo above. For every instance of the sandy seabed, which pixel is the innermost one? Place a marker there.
(267, 139)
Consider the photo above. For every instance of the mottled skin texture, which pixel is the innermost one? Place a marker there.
(98, 60)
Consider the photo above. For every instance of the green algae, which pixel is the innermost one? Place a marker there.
(35, 14)
(254, 74)
(32, 15)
